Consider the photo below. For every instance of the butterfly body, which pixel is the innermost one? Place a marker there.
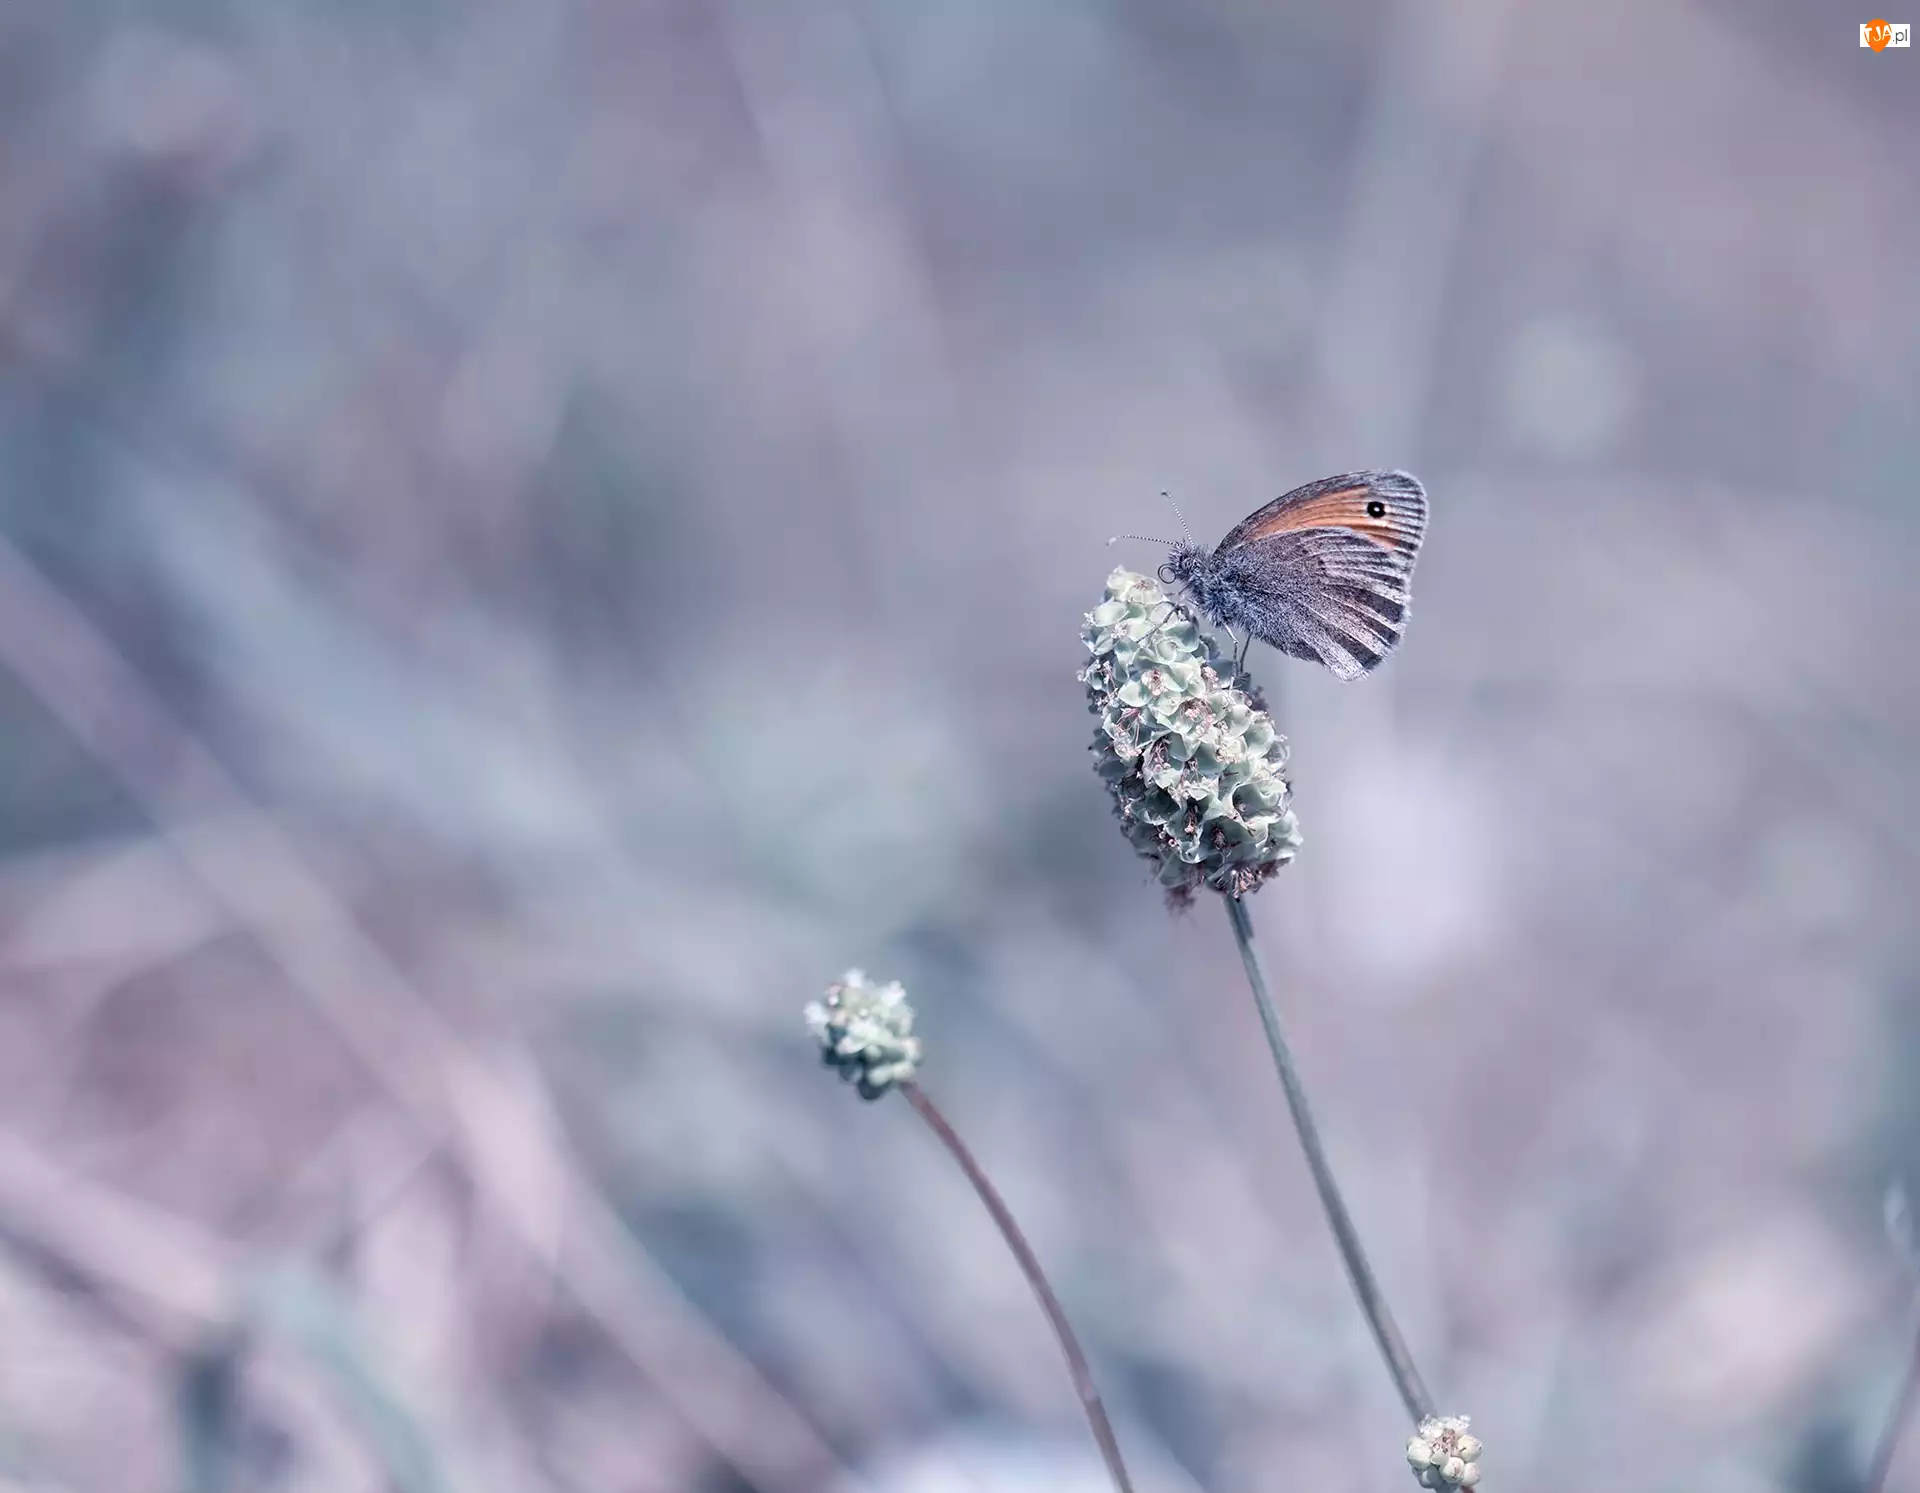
(1322, 573)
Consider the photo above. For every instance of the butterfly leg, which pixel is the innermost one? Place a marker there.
(1239, 648)
(1240, 662)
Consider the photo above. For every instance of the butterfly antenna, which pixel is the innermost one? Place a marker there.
(1143, 538)
(1179, 515)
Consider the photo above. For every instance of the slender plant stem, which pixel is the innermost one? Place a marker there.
(1036, 1278)
(1889, 1442)
(1406, 1378)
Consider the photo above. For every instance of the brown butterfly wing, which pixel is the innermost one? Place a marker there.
(1335, 580)
(1341, 503)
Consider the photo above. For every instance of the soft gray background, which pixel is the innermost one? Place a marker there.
(539, 531)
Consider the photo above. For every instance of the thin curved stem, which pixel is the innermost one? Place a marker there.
(1406, 1378)
(1036, 1278)
(1903, 1403)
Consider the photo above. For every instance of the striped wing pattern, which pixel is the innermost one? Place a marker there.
(1338, 556)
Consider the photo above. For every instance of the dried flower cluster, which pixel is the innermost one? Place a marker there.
(866, 1031)
(1194, 764)
(1443, 1454)
(1197, 773)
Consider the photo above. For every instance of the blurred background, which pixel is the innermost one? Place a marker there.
(533, 535)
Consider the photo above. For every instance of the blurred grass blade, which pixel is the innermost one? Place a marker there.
(1900, 1230)
(302, 1309)
(210, 1413)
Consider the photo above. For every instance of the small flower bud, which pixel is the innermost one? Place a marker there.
(1447, 1453)
(866, 1032)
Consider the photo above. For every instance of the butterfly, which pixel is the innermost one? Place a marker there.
(1322, 573)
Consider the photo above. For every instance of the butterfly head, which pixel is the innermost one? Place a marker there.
(1184, 561)
(1212, 585)
(1188, 565)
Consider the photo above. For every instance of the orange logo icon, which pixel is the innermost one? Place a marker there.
(1877, 34)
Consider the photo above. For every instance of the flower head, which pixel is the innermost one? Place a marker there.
(1185, 745)
(866, 1031)
(1443, 1454)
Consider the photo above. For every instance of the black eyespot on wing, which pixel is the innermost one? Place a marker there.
(1390, 508)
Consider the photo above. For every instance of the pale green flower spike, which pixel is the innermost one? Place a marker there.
(866, 1031)
(1185, 746)
(1443, 1454)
